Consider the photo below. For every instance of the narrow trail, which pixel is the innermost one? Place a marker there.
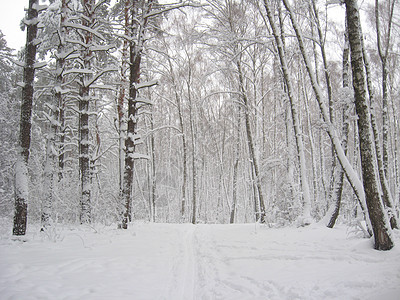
(184, 268)
(189, 264)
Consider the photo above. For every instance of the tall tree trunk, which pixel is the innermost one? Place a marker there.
(58, 93)
(338, 186)
(379, 220)
(386, 194)
(383, 55)
(134, 75)
(52, 150)
(184, 142)
(352, 176)
(131, 139)
(48, 185)
(153, 184)
(184, 157)
(84, 99)
(194, 148)
(236, 167)
(122, 96)
(336, 183)
(21, 166)
(260, 213)
(306, 215)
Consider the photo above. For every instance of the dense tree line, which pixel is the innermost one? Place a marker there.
(224, 111)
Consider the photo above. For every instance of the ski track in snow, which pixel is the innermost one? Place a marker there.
(197, 262)
(182, 285)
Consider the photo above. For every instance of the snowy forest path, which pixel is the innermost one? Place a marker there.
(182, 285)
(193, 271)
(189, 264)
(197, 262)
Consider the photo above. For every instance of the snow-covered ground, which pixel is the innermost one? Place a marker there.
(183, 261)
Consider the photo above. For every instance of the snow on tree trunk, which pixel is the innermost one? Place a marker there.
(21, 166)
(132, 138)
(259, 202)
(194, 145)
(58, 90)
(379, 220)
(338, 184)
(184, 158)
(352, 176)
(306, 218)
(235, 167)
(383, 56)
(122, 96)
(184, 142)
(48, 185)
(84, 99)
(386, 194)
(56, 120)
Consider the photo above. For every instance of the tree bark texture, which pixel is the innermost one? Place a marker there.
(379, 220)
(383, 51)
(21, 167)
(338, 184)
(135, 58)
(386, 194)
(352, 176)
(84, 99)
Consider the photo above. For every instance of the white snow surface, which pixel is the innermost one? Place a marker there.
(184, 261)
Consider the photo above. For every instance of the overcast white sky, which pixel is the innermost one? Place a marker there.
(11, 13)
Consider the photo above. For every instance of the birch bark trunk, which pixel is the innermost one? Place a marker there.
(306, 218)
(379, 220)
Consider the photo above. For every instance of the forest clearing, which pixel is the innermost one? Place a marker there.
(204, 261)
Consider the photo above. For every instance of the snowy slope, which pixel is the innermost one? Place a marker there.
(171, 261)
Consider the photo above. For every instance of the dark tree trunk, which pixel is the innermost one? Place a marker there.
(121, 98)
(84, 93)
(260, 206)
(379, 221)
(236, 167)
(338, 187)
(386, 195)
(58, 95)
(135, 59)
(21, 167)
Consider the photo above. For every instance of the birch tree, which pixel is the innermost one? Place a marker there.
(383, 39)
(379, 220)
(338, 187)
(354, 180)
(306, 216)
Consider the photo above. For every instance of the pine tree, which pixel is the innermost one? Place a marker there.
(21, 166)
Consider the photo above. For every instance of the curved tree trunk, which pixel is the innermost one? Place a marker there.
(351, 175)
(306, 216)
(338, 186)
